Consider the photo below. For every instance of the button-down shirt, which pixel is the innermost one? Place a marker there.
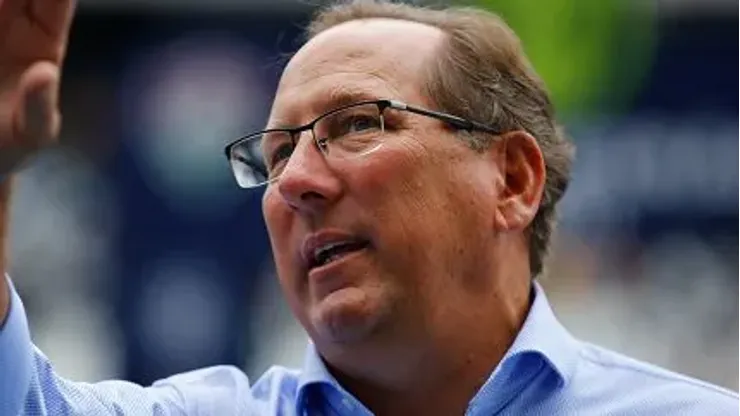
(545, 372)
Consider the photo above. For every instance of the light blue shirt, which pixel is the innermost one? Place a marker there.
(546, 372)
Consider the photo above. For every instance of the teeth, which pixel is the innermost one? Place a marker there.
(333, 257)
(321, 250)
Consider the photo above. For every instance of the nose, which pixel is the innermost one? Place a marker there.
(307, 183)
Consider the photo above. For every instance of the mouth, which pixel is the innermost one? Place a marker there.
(333, 252)
(330, 246)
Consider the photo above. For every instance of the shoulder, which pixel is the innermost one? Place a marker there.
(227, 390)
(648, 389)
(211, 390)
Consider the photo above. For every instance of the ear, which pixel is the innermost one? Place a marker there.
(522, 168)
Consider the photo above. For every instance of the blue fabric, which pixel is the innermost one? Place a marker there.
(546, 372)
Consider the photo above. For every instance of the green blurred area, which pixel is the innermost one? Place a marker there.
(592, 54)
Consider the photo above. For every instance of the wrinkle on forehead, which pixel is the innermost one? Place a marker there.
(323, 93)
(378, 57)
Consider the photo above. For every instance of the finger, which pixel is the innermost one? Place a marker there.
(38, 121)
(9, 9)
(55, 16)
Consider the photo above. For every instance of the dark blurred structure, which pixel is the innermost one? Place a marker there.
(138, 257)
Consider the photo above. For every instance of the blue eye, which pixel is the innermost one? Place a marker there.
(360, 123)
(351, 124)
(280, 154)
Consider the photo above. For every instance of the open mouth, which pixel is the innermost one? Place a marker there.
(335, 251)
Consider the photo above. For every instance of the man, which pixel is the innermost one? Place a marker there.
(410, 173)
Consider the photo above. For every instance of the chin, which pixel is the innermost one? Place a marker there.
(347, 315)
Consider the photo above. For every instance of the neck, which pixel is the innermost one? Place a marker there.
(438, 373)
(4, 220)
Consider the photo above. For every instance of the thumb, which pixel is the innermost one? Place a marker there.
(38, 121)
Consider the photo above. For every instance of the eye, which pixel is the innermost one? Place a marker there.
(359, 123)
(280, 154)
(353, 123)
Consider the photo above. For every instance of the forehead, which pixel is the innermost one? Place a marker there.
(362, 59)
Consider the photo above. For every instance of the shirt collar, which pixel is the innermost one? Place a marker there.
(313, 373)
(314, 370)
(542, 335)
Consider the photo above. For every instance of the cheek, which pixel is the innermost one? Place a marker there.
(404, 194)
(416, 198)
(278, 220)
(390, 186)
(276, 215)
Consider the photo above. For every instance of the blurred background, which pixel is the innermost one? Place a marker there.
(139, 257)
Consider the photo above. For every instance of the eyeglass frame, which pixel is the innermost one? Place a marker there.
(459, 123)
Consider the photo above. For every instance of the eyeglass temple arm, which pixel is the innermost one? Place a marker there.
(455, 121)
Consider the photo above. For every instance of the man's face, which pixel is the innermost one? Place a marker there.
(419, 207)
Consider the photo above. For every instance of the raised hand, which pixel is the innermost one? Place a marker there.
(33, 41)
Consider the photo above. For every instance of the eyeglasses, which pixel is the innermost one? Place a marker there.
(347, 132)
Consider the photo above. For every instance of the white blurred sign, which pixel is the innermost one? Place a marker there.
(188, 99)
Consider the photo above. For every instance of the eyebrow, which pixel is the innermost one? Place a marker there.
(344, 96)
(337, 97)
